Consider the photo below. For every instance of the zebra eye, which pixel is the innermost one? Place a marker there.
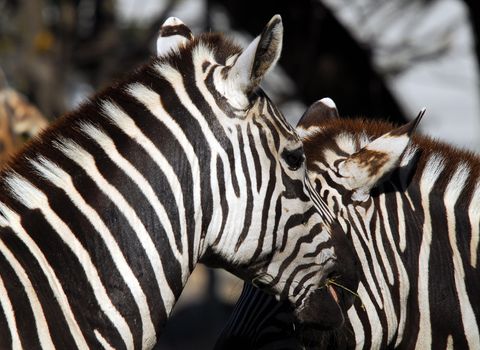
(294, 158)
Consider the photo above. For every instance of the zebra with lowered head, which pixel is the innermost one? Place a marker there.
(105, 215)
(410, 207)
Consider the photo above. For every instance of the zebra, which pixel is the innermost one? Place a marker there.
(104, 215)
(410, 207)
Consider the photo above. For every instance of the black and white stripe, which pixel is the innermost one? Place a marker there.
(105, 215)
(411, 209)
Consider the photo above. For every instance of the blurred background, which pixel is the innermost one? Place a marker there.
(375, 58)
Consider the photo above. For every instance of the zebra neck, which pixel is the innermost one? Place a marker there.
(119, 206)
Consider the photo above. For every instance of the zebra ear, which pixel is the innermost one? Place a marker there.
(173, 33)
(318, 112)
(366, 168)
(258, 58)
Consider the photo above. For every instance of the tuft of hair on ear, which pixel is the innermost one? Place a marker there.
(410, 127)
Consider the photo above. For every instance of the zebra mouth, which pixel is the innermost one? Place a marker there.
(322, 310)
(326, 307)
(333, 293)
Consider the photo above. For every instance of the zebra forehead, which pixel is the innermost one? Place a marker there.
(346, 142)
(210, 46)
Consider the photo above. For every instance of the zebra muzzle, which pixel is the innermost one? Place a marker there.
(322, 310)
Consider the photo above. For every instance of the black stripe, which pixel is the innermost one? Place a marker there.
(248, 189)
(256, 158)
(223, 199)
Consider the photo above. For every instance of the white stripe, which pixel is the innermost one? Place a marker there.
(450, 342)
(402, 231)
(40, 322)
(87, 162)
(10, 316)
(362, 255)
(379, 236)
(33, 198)
(474, 217)
(102, 340)
(389, 308)
(373, 319)
(357, 327)
(408, 154)
(15, 224)
(404, 291)
(305, 134)
(452, 192)
(151, 101)
(63, 180)
(431, 172)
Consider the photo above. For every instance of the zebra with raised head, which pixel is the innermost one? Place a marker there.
(411, 209)
(105, 215)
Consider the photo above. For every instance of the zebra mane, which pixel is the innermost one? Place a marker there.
(215, 45)
(348, 136)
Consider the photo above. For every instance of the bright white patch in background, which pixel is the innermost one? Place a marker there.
(132, 11)
(426, 55)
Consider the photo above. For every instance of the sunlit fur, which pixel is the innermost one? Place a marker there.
(105, 215)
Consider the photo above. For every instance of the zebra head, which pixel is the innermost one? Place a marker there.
(345, 166)
(347, 156)
(262, 223)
